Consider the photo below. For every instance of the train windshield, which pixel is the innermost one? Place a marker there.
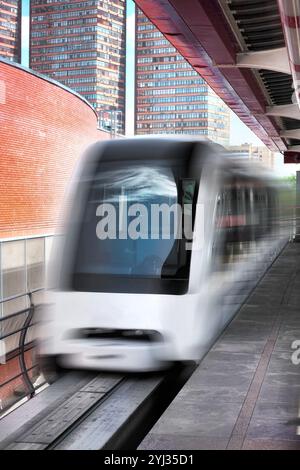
(131, 237)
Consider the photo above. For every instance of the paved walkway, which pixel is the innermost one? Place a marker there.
(246, 392)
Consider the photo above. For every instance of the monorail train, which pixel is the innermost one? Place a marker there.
(137, 294)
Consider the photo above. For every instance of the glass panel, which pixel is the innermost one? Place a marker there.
(35, 261)
(14, 276)
(50, 244)
(13, 268)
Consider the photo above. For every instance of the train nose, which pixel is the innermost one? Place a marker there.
(114, 354)
(116, 349)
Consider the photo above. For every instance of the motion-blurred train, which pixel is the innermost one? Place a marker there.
(166, 238)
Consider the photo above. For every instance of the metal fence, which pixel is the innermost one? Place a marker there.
(22, 282)
(23, 369)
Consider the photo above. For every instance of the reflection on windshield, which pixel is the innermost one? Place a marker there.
(139, 183)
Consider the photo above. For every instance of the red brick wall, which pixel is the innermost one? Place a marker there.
(14, 389)
(43, 131)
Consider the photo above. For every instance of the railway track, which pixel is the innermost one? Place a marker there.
(101, 411)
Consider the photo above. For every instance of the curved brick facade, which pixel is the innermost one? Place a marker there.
(44, 128)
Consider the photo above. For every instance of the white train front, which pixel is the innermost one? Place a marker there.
(136, 294)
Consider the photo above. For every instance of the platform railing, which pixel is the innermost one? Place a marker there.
(24, 375)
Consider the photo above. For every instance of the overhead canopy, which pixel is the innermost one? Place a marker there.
(247, 51)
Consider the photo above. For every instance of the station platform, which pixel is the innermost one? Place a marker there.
(245, 394)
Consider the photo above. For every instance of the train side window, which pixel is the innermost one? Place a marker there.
(234, 238)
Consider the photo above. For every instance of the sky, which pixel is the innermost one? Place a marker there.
(239, 132)
(130, 66)
(25, 33)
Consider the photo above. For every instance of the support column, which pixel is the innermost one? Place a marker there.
(297, 235)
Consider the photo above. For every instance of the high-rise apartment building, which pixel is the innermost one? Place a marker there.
(255, 153)
(82, 45)
(170, 96)
(10, 30)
